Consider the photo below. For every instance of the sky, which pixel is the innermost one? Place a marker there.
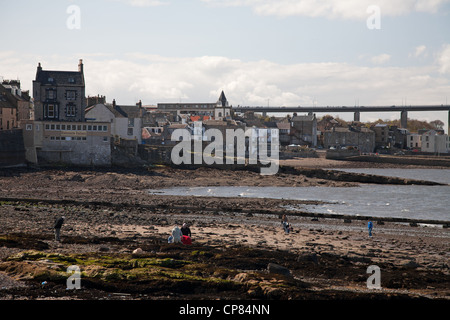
(259, 52)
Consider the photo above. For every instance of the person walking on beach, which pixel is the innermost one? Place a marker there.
(57, 226)
(370, 227)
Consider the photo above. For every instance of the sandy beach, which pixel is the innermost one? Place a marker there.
(236, 241)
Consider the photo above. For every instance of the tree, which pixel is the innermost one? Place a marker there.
(438, 124)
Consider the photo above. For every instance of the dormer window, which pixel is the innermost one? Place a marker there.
(71, 80)
(50, 79)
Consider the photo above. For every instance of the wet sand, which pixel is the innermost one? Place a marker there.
(327, 258)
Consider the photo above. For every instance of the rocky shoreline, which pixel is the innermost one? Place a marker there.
(239, 250)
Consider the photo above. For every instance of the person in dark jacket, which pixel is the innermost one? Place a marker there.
(57, 226)
(185, 230)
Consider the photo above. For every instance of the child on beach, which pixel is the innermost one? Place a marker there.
(370, 226)
(286, 226)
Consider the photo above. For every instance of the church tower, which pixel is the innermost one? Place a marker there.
(222, 110)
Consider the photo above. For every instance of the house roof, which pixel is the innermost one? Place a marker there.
(178, 126)
(132, 111)
(283, 125)
(53, 77)
(223, 100)
(303, 118)
(120, 111)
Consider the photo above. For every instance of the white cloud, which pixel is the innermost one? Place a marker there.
(144, 3)
(153, 79)
(419, 51)
(380, 59)
(444, 59)
(347, 9)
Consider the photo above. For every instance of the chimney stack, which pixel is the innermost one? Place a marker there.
(80, 66)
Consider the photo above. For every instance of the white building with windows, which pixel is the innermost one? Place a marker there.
(75, 143)
(414, 141)
(433, 142)
(126, 121)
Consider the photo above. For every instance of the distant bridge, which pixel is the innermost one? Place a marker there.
(355, 109)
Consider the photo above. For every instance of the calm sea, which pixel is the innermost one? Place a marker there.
(415, 202)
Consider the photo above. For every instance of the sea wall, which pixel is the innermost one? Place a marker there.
(12, 149)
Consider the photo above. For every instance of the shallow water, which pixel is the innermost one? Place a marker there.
(414, 202)
(436, 175)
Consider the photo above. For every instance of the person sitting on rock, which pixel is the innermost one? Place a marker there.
(176, 234)
(185, 230)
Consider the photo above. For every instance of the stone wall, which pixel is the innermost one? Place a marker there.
(94, 151)
(12, 149)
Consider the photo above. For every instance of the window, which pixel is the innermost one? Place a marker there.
(51, 94)
(71, 80)
(105, 128)
(105, 139)
(71, 95)
(29, 127)
(130, 131)
(50, 111)
(63, 127)
(71, 110)
(131, 122)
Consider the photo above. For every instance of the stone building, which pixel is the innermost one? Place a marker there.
(219, 110)
(74, 143)
(15, 105)
(59, 95)
(304, 130)
(59, 132)
(361, 138)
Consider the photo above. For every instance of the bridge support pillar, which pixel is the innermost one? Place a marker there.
(404, 119)
(357, 116)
